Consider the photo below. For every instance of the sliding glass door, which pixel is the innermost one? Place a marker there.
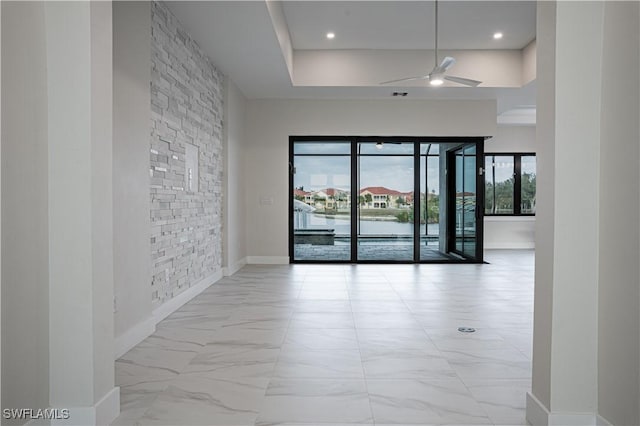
(320, 204)
(385, 201)
(464, 212)
(357, 199)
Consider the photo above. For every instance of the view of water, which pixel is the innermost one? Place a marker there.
(341, 225)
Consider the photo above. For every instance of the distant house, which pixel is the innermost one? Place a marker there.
(334, 198)
(379, 197)
(304, 196)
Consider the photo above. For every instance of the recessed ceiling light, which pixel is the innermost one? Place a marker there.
(331, 36)
(497, 36)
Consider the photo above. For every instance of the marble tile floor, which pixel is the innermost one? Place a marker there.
(341, 345)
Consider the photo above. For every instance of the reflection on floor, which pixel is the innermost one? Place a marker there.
(341, 344)
(382, 251)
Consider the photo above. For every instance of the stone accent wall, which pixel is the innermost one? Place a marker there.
(186, 108)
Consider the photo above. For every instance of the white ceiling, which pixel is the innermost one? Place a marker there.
(410, 24)
(240, 38)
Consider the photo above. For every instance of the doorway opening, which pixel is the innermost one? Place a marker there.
(385, 199)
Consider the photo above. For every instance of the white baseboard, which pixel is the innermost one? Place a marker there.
(539, 415)
(601, 421)
(133, 336)
(232, 269)
(108, 408)
(144, 329)
(573, 419)
(169, 307)
(268, 260)
(102, 413)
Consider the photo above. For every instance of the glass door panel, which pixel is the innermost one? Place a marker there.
(385, 201)
(469, 202)
(464, 228)
(432, 205)
(459, 197)
(322, 201)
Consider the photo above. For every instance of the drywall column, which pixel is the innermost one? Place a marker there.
(545, 206)
(577, 153)
(79, 92)
(618, 306)
(25, 291)
(234, 212)
(131, 162)
(566, 305)
(588, 234)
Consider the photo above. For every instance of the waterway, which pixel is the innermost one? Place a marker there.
(342, 225)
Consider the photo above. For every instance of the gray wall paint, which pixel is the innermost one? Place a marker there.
(587, 311)
(510, 232)
(25, 300)
(618, 309)
(271, 122)
(235, 212)
(545, 163)
(186, 108)
(131, 117)
(56, 146)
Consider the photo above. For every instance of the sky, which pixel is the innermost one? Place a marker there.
(393, 172)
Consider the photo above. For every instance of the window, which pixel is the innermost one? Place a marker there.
(510, 184)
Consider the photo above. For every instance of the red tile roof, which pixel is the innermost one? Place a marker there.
(381, 190)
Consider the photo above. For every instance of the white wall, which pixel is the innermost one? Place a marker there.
(618, 291)
(131, 221)
(235, 183)
(529, 62)
(503, 232)
(545, 206)
(365, 67)
(271, 122)
(25, 298)
(79, 100)
(586, 350)
(56, 147)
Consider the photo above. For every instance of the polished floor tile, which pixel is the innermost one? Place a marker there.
(315, 402)
(341, 345)
(424, 402)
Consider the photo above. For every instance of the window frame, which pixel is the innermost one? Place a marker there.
(517, 183)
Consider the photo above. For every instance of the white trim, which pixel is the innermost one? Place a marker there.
(573, 419)
(133, 336)
(103, 412)
(172, 305)
(537, 413)
(144, 329)
(268, 260)
(601, 421)
(108, 408)
(521, 245)
(232, 269)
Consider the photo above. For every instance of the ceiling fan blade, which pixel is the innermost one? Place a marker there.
(460, 80)
(422, 77)
(446, 63)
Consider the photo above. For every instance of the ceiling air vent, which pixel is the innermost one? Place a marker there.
(403, 94)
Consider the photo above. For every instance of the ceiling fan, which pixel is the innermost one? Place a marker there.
(437, 76)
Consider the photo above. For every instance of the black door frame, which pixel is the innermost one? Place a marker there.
(451, 201)
(416, 140)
